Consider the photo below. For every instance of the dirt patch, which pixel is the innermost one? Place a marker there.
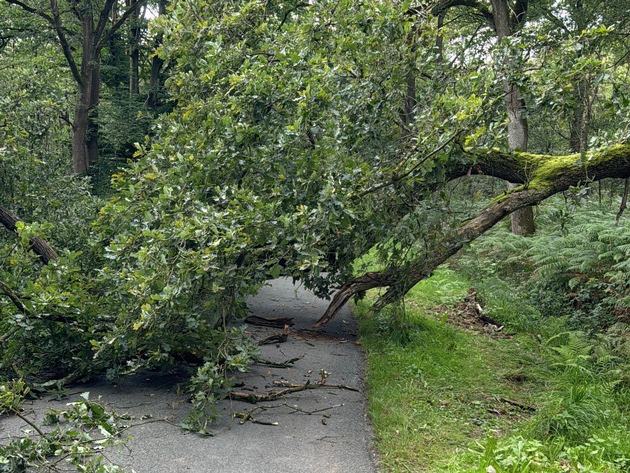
(469, 315)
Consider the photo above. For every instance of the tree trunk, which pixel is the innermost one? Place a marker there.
(134, 51)
(80, 126)
(39, 246)
(522, 221)
(95, 95)
(153, 100)
(518, 133)
(85, 125)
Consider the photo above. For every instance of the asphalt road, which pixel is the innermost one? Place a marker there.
(318, 430)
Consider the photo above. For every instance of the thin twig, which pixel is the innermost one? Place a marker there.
(29, 422)
(624, 199)
(290, 388)
(279, 364)
(424, 159)
(316, 411)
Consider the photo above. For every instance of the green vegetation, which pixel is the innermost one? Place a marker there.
(547, 393)
(163, 173)
(73, 436)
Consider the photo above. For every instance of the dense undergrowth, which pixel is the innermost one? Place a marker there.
(549, 392)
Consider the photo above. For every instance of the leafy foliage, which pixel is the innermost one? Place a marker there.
(47, 313)
(247, 179)
(76, 436)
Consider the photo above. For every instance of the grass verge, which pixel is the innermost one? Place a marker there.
(447, 396)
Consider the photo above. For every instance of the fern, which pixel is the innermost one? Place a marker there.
(581, 267)
(586, 379)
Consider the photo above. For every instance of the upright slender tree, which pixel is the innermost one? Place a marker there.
(90, 24)
(157, 65)
(508, 18)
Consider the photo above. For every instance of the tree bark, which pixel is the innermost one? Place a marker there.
(134, 52)
(580, 119)
(541, 177)
(80, 131)
(85, 126)
(39, 246)
(95, 96)
(153, 100)
(506, 19)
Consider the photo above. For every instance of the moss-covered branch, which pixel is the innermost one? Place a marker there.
(541, 177)
(546, 171)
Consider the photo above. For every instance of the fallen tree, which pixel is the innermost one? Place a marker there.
(540, 176)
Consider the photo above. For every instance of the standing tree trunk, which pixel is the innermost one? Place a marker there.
(153, 100)
(85, 126)
(95, 95)
(578, 128)
(580, 119)
(80, 131)
(506, 20)
(134, 51)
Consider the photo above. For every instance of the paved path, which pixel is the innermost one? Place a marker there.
(334, 439)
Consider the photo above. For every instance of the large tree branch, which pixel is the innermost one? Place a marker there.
(541, 176)
(116, 26)
(103, 18)
(442, 6)
(63, 41)
(39, 246)
(557, 172)
(32, 10)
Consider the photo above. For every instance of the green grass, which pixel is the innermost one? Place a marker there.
(437, 393)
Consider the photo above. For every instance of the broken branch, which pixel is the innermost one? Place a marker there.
(290, 388)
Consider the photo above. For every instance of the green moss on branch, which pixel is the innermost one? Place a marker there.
(542, 172)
